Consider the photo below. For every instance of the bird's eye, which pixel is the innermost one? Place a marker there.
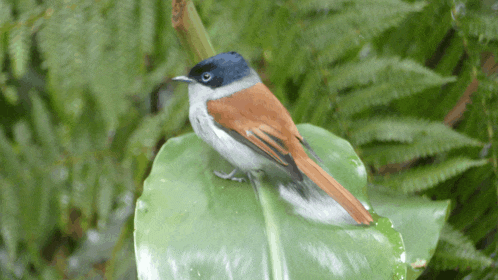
(206, 77)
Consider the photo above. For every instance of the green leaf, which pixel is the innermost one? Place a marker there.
(455, 250)
(147, 25)
(10, 229)
(386, 129)
(428, 176)
(434, 138)
(11, 95)
(409, 215)
(481, 25)
(192, 224)
(105, 192)
(19, 45)
(43, 127)
(355, 24)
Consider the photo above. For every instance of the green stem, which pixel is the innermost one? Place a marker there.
(272, 230)
(191, 31)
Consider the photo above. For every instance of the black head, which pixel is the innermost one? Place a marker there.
(220, 70)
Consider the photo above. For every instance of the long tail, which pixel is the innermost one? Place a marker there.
(334, 189)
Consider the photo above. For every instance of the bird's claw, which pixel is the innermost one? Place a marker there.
(229, 176)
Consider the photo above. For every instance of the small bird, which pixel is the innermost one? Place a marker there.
(236, 114)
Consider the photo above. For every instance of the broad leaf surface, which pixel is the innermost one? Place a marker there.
(190, 224)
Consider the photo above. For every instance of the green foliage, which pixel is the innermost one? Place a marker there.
(75, 74)
(425, 177)
(77, 135)
(421, 139)
(455, 251)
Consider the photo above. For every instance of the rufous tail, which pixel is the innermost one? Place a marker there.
(334, 189)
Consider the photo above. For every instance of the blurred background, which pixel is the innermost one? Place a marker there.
(86, 102)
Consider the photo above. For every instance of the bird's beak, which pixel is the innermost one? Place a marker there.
(183, 79)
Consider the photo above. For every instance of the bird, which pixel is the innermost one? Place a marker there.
(235, 113)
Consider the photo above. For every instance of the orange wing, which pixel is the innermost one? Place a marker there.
(256, 117)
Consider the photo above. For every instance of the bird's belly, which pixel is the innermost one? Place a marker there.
(238, 154)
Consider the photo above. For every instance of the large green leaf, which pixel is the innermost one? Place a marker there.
(189, 224)
(420, 222)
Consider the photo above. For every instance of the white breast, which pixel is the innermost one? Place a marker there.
(238, 154)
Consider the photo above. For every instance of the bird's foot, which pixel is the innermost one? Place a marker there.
(229, 176)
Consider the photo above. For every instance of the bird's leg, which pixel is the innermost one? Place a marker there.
(229, 176)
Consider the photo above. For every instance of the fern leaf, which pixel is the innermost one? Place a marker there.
(402, 79)
(456, 251)
(481, 25)
(127, 41)
(484, 223)
(5, 18)
(386, 129)
(105, 195)
(100, 63)
(359, 73)
(5, 12)
(43, 127)
(309, 89)
(147, 25)
(11, 164)
(11, 95)
(383, 94)
(84, 175)
(435, 138)
(319, 5)
(19, 45)
(2, 49)
(339, 33)
(426, 177)
(9, 218)
(26, 6)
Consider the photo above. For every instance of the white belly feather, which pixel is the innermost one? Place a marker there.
(238, 154)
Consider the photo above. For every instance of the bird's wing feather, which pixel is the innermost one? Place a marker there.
(255, 117)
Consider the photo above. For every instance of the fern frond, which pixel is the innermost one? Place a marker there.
(105, 191)
(10, 93)
(128, 41)
(480, 25)
(339, 33)
(84, 175)
(2, 49)
(100, 66)
(5, 18)
(309, 88)
(386, 129)
(43, 127)
(147, 25)
(428, 176)
(25, 6)
(63, 48)
(359, 73)
(435, 138)
(143, 140)
(403, 76)
(19, 49)
(455, 250)
(318, 5)
(384, 93)
(5, 12)
(484, 224)
(9, 218)
(11, 164)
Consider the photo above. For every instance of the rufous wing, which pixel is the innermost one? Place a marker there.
(256, 117)
(334, 189)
